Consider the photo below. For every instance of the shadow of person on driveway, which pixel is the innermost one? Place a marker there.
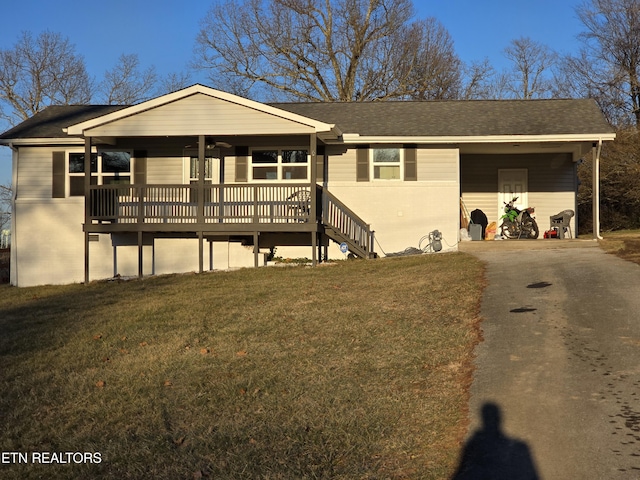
(490, 454)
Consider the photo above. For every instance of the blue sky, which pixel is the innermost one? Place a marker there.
(162, 32)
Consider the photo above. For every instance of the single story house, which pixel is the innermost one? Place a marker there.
(201, 179)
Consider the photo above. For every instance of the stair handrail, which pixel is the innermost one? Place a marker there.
(338, 216)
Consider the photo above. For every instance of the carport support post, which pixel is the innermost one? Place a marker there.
(595, 189)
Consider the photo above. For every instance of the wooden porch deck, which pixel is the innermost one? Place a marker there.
(263, 215)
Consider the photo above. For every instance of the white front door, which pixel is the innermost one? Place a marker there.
(512, 182)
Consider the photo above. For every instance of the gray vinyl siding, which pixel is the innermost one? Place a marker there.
(35, 172)
(547, 172)
(432, 165)
(342, 165)
(164, 170)
(437, 165)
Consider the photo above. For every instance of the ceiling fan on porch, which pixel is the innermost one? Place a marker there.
(211, 144)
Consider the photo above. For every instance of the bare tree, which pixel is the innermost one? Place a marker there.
(608, 64)
(173, 82)
(531, 75)
(38, 72)
(478, 81)
(428, 67)
(336, 50)
(619, 184)
(126, 83)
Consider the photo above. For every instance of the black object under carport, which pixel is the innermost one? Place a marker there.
(478, 218)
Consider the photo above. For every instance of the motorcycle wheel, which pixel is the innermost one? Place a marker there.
(532, 227)
(508, 229)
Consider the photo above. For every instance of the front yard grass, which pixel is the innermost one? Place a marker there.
(357, 370)
(624, 243)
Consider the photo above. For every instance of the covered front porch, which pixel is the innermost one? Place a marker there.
(206, 164)
(260, 215)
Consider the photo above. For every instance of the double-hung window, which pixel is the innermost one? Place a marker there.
(194, 174)
(279, 164)
(386, 163)
(194, 170)
(107, 168)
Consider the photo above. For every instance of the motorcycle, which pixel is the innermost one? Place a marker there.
(518, 223)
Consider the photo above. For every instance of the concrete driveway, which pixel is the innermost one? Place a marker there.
(559, 364)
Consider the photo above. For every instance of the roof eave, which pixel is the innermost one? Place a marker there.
(354, 138)
(21, 142)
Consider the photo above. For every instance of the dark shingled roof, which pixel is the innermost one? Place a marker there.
(421, 119)
(459, 118)
(49, 122)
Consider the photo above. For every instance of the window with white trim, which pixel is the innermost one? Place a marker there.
(386, 163)
(194, 169)
(107, 168)
(280, 164)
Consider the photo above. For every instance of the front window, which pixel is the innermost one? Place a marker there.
(194, 170)
(107, 168)
(280, 164)
(386, 163)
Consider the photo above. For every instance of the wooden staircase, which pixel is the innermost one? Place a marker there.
(342, 225)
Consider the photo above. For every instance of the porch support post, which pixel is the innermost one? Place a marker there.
(314, 177)
(314, 197)
(140, 253)
(256, 249)
(221, 190)
(87, 205)
(115, 261)
(314, 248)
(201, 174)
(595, 189)
(210, 255)
(200, 252)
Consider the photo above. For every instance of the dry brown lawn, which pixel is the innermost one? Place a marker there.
(625, 244)
(358, 370)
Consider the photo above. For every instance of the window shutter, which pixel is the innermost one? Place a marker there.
(140, 167)
(320, 158)
(242, 160)
(410, 163)
(59, 175)
(362, 163)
